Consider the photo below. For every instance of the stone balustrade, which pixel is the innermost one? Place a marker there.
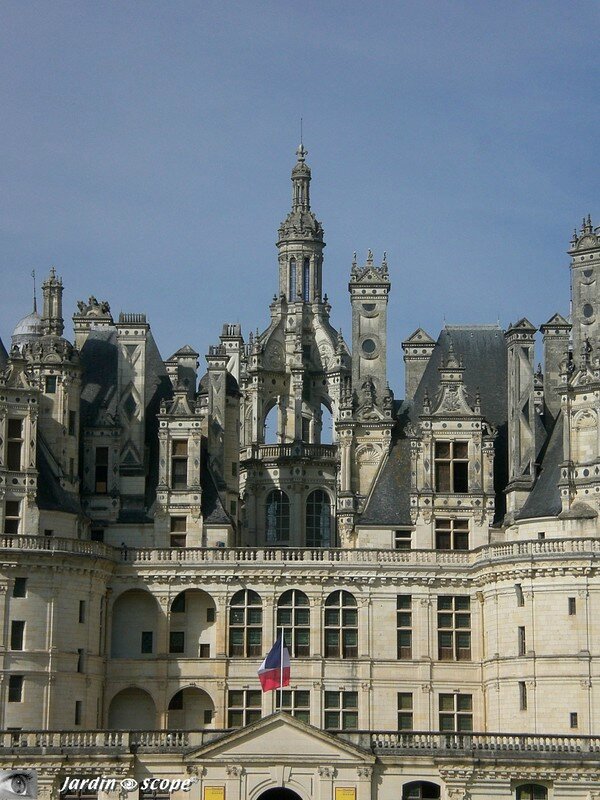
(381, 743)
(502, 551)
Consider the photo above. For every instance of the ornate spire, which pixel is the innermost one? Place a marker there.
(301, 223)
(301, 181)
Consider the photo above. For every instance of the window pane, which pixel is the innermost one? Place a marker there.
(465, 702)
(446, 702)
(332, 700)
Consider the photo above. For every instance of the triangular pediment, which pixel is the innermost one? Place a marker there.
(419, 336)
(556, 321)
(281, 737)
(369, 275)
(523, 325)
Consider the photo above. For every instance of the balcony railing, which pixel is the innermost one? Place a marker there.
(553, 549)
(318, 452)
(427, 743)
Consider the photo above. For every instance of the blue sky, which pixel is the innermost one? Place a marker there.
(147, 146)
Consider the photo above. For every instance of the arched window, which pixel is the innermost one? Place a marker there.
(532, 791)
(245, 624)
(292, 281)
(293, 615)
(306, 280)
(420, 790)
(341, 626)
(277, 517)
(318, 519)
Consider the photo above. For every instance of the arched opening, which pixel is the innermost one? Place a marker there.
(245, 624)
(134, 616)
(270, 428)
(420, 790)
(279, 793)
(192, 624)
(306, 280)
(277, 517)
(318, 519)
(292, 281)
(190, 709)
(132, 709)
(327, 429)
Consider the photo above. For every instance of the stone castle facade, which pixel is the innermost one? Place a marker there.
(432, 559)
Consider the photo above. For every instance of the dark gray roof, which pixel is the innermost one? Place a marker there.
(3, 355)
(213, 511)
(99, 361)
(51, 496)
(232, 388)
(389, 502)
(544, 500)
(483, 352)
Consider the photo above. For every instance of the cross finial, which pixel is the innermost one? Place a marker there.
(34, 297)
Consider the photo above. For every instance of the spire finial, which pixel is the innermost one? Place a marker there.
(301, 152)
(301, 140)
(34, 297)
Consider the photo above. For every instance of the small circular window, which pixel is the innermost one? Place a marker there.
(368, 346)
(588, 310)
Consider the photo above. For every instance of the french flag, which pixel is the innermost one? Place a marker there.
(274, 671)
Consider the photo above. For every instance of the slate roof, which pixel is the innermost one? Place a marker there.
(232, 388)
(544, 499)
(389, 501)
(3, 355)
(483, 352)
(50, 495)
(213, 511)
(99, 360)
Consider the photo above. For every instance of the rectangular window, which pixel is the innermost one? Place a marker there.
(232, 507)
(12, 516)
(210, 614)
(519, 594)
(72, 423)
(402, 540)
(176, 642)
(80, 659)
(208, 716)
(454, 628)
(243, 707)
(17, 634)
(572, 606)
(204, 651)
(234, 469)
(81, 616)
(147, 640)
(50, 384)
(179, 464)
(404, 625)
(97, 535)
(341, 711)
(456, 712)
(405, 711)
(451, 534)
(305, 430)
(541, 536)
(574, 723)
(521, 641)
(522, 696)
(15, 688)
(178, 529)
(297, 703)
(20, 587)
(101, 471)
(452, 467)
(14, 444)
(78, 711)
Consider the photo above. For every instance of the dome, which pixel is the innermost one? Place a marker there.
(27, 329)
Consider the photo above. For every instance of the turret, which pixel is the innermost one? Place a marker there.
(300, 241)
(52, 318)
(585, 283)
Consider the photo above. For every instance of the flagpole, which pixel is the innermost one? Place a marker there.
(281, 672)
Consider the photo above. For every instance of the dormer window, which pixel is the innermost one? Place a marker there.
(14, 444)
(452, 467)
